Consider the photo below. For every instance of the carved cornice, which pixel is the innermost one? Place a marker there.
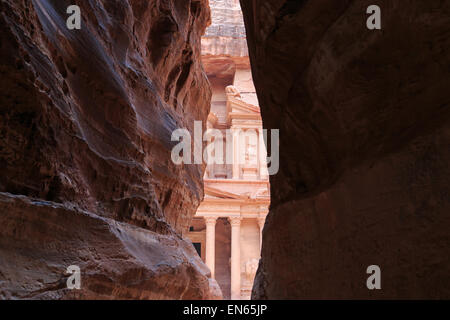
(261, 221)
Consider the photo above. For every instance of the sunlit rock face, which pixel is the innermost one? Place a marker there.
(86, 177)
(224, 45)
(364, 126)
(226, 35)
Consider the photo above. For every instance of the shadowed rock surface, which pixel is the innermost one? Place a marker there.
(365, 139)
(86, 118)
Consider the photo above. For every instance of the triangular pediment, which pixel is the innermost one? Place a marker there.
(209, 196)
(219, 194)
(241, 107)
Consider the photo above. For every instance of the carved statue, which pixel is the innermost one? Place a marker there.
(232, 91)
(251, 266)
(251, 154)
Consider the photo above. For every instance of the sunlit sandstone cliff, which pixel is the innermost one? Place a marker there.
(226, 34)
(225, 52)
(86, 178)
(365, 138)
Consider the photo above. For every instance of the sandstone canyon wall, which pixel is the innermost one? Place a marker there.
(365, 139)
(86, 177)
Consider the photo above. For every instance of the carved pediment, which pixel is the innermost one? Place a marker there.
(215, 193)
(219, 194)
(238, 108)
(244, 108)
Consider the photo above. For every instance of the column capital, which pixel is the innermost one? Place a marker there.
(235, 257)
(261, 221)
(210, 220)
(235, 221)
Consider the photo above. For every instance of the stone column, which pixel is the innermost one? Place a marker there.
(262, 157)
(261, 221)
(235, 258)
(236, 152)
(210, 254)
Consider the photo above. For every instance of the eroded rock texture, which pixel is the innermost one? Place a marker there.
(224, 45)
(86, 118)
(365, 136)
(226, 34)
(117, 260)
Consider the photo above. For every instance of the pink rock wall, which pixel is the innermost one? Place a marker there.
(86, 118)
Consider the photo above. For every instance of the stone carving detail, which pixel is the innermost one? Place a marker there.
(251, 266)
(232, 91)
(261, 221)
(226, 35)
(232, 190)
(235, 221)
(251, 154)
(210, 220)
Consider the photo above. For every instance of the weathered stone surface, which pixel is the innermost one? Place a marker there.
(224, 45)
(86, 118)
(364, 167)
(40, 239)
(226, 34)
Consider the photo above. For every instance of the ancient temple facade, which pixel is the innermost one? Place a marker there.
(227, 228)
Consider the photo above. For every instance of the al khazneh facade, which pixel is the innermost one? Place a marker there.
(227, 228)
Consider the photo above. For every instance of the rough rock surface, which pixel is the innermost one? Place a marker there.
(226, 34)
(40, 239)
(365, 136)
(224, 45)
(86, 118)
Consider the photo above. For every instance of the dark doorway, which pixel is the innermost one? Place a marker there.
(198, 248)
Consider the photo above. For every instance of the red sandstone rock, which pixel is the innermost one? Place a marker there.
(40, 239)
(364, 167)
(86, 118)
(226, 34)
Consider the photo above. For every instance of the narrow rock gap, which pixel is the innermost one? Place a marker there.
(226, 230)
(90, 185)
